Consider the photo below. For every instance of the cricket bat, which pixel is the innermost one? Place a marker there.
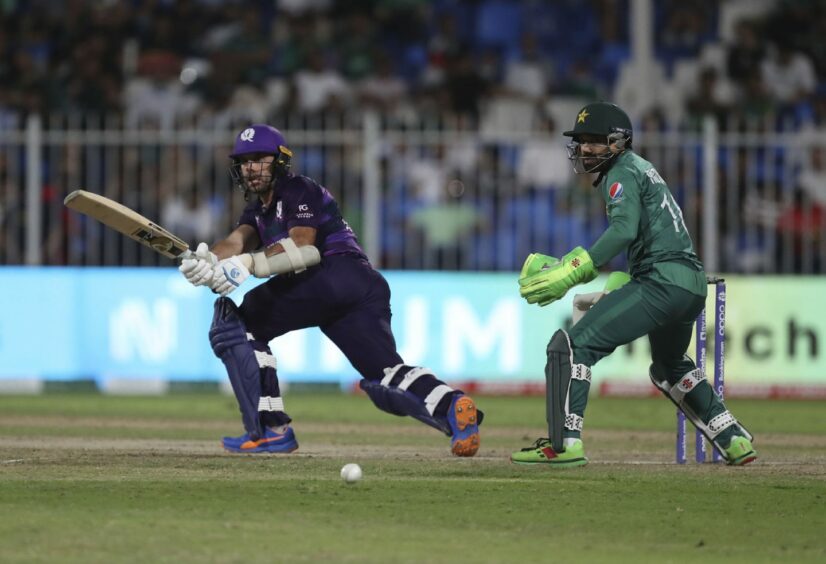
(129, 222)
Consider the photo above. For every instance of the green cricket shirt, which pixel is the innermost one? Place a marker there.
(644, 219)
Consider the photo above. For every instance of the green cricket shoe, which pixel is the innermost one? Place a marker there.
(541, 452)
(740, 452)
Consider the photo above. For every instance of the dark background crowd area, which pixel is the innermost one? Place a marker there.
(201, 57)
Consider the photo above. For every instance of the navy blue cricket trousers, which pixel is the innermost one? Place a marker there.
(344, 296)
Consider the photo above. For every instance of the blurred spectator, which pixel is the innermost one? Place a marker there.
(745, 56)
(91, 86)
(244, 47)
(320, 87)
(755, 102)
(426, 175)
(188, 216)
(303, 7)
(654, 121)
(711, 99)
(156, 97)
(491, 66)
(465, 88)
(354, 46)
(543, 162)
(685, 30)
(446, 226)
(295, 40)
(812, 179)
(800, 229)
(382, 89)
(528, 75)
(403, 21)
(461, 157)
(579, 81)
(788, 75)
(442, 46)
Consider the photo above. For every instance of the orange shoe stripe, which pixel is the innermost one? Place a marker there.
(259, 442)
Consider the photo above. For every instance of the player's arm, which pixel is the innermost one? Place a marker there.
(295, 253)
(300, 235)
(623, 227)
(243, 239)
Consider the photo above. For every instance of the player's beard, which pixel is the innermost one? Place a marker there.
(259, 184)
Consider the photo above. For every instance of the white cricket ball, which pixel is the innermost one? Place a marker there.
(351, 473)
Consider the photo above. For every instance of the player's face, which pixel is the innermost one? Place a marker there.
(256, 171)
(590, 153)
(593, 149)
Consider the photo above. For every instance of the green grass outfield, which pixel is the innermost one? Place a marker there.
(89, 478)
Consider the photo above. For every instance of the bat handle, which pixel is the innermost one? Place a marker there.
(187, 254)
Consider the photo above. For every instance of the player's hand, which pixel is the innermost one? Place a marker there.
(229, 274)
(553, 281)
(199, 270)
(583, 303)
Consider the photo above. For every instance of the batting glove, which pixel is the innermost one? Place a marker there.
(199, 270)
(229, 274)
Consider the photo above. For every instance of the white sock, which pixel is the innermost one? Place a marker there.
(570, 441)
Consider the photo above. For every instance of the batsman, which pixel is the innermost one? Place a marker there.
(292, 234)
(660, 297)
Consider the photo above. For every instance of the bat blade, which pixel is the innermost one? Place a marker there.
(128, 222)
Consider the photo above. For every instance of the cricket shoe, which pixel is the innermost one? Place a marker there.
(541, 452)
(740, 452)
(464, 420)
(271, 442)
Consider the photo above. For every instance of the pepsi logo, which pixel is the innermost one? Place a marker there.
(615, 191)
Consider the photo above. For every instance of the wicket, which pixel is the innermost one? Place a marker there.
(701, 447)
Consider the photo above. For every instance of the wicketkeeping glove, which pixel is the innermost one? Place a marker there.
(551, 282)
(229, 274)
(199, 270)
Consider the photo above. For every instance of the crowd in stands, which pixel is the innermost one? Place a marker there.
(495, 64)
(164, 60)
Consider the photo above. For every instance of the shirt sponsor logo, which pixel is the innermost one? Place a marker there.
(615, 191)
(303, 207)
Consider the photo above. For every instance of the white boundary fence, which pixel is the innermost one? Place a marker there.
(423, 195)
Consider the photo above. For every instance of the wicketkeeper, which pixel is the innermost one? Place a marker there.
(662, 297)
(292, 234)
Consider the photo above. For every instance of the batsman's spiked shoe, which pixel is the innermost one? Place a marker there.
(464, 421)
(740, 452)
(271, 442)
(541, 452)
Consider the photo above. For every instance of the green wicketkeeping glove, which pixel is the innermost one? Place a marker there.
(550, 282)
(536, 263)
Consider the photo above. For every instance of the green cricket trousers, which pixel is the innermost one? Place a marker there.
(665, 313)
